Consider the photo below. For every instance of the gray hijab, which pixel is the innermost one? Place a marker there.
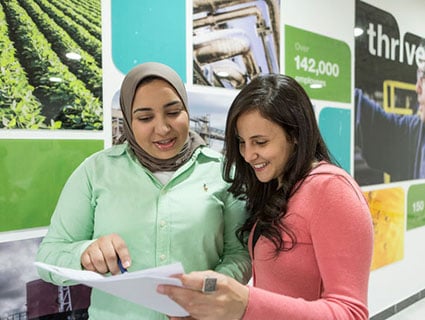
(128, 89)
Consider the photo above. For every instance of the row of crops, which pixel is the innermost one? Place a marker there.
(50, 64)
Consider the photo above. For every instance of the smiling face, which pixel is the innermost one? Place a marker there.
(159, 122)
(264, 145)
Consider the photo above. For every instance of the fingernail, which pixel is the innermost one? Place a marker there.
(126, 264)
(160, 289)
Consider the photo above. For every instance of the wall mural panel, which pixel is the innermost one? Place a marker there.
(59, 67)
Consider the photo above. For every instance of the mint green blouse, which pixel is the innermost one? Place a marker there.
(191, 219)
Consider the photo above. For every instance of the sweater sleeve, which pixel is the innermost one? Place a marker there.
(342, 237)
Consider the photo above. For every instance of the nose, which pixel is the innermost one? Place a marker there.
(162, 126)
(249, 154)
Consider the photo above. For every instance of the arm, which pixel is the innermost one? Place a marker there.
(386, 139)
(235, 261)
(71, 228)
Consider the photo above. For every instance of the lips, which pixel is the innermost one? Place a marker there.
(259, 166)
(165, 144)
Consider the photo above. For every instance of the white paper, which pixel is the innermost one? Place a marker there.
(138, 287)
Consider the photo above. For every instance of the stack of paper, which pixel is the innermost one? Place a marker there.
(138, 287)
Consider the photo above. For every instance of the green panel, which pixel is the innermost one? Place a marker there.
(32, 174)
(315, 59)
(416, 206)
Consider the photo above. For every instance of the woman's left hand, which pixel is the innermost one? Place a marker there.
(228, 301)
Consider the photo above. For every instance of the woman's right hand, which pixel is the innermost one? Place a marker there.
(228, 301)
(102, 255)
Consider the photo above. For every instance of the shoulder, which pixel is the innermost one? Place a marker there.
(328, 169)
(333, 193)
(105, 156)
(337, 185)
(111, 152)
(110, 162)
(211, 153)
(208, 153)
(327, 176)
(208, 164)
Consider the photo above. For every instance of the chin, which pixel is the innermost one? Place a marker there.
(263, 180)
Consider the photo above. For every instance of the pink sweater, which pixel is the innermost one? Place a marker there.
(326, 275)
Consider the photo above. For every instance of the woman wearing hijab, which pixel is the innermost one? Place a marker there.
(156, 198)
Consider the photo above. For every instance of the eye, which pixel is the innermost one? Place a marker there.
(144, 118)
(174, 113)
(260, 142)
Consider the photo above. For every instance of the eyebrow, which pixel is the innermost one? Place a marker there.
(167, 105)
(257, 136)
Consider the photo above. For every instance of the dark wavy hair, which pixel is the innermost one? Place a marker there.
(280, 99)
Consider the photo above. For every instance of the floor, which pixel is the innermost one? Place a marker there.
(415, 311)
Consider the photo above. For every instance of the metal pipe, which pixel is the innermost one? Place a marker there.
(218, 18)
(272, 5)
(262, 29)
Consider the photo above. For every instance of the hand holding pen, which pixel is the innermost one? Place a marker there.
(107, 254)
(120, 265)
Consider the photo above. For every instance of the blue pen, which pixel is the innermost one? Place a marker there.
(122, 269)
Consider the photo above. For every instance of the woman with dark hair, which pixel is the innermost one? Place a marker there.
(156, 198)
(309, 230)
